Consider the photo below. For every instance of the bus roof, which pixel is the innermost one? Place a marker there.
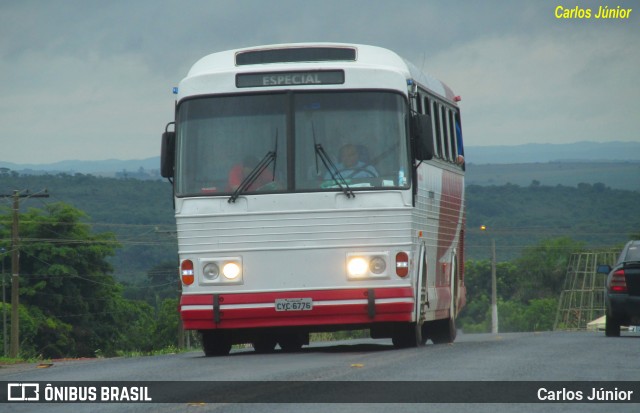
(317, 56)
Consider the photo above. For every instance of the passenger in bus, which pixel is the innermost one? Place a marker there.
(240, 171)
(351, 166)
(460, 144)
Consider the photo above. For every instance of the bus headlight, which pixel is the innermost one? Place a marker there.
(211, 271)
(377, 265)
(357, 267)
(366, 265)
(220, 271)
(231, 270)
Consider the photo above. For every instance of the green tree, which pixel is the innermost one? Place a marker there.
(511, 316)
(476, 315)
(541, 314)
(473, 317)
(536, 315)
(136, 323)
(528, 288)
(65, 274)
(40, 334)
(166, 332)
(162, 282)
(542, 268)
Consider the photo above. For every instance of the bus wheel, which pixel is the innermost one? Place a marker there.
(215, 343)
(443, 331)
(264, 345)
(408, 335)
(292, 342)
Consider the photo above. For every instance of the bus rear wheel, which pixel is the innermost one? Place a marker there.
(408, 335)
(215, 343)
(442, 331)
(264, 345)
(293, 342)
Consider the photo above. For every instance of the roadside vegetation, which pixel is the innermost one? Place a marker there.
(98, 260)
(528, 288)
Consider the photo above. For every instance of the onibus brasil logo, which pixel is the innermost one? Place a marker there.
(33, 392)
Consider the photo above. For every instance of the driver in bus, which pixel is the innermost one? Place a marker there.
(240, 171)
(350, 165)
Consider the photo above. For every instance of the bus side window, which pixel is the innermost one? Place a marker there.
(427, 111)
(452, 136)
(438, 134)
(459, 141)
(445, 133)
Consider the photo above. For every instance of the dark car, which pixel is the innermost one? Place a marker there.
(622, 295)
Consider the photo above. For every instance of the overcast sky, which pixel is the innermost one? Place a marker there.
(92, 80)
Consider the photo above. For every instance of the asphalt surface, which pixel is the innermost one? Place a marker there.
(489, 373)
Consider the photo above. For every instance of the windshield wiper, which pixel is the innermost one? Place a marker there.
(256, 172)
(331, 167)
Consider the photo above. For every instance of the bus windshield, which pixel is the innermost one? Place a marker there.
(292, 142)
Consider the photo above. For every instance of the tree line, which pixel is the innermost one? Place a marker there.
(98, 263)
(70, 303)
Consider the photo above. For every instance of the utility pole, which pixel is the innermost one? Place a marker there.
(15, 267)
(3, 251)
(494, 290)
(494, 287)
(15, 283)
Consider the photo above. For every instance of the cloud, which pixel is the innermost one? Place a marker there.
(92, 80)
(94, 107)
(547, 87)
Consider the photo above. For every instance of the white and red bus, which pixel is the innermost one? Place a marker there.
(318, 187)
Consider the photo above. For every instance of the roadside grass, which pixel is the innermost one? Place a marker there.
(332, 336)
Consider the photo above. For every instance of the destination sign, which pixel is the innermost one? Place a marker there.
(316, 77)
(296, 54)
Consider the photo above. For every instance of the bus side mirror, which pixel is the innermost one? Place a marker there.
(167, 154)
(422, 137)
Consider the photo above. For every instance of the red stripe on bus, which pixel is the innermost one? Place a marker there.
(268, 317)
(329, 314)
(450, 208)
(315, 295)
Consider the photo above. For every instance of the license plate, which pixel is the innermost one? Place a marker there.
(294, 304)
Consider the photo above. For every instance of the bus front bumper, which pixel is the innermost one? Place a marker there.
(359, 306)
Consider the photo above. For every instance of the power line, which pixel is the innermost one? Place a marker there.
(15, 257)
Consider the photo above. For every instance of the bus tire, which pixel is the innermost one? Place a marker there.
(215, 343)
(443, 331)
(292, 342)
(408, 335)
(264, 345)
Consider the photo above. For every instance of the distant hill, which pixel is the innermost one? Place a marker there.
(540, 153)
(134, 168)
(620, 175)
(141, 215)
(615, 164)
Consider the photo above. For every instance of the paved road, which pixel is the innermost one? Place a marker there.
(541, 357)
